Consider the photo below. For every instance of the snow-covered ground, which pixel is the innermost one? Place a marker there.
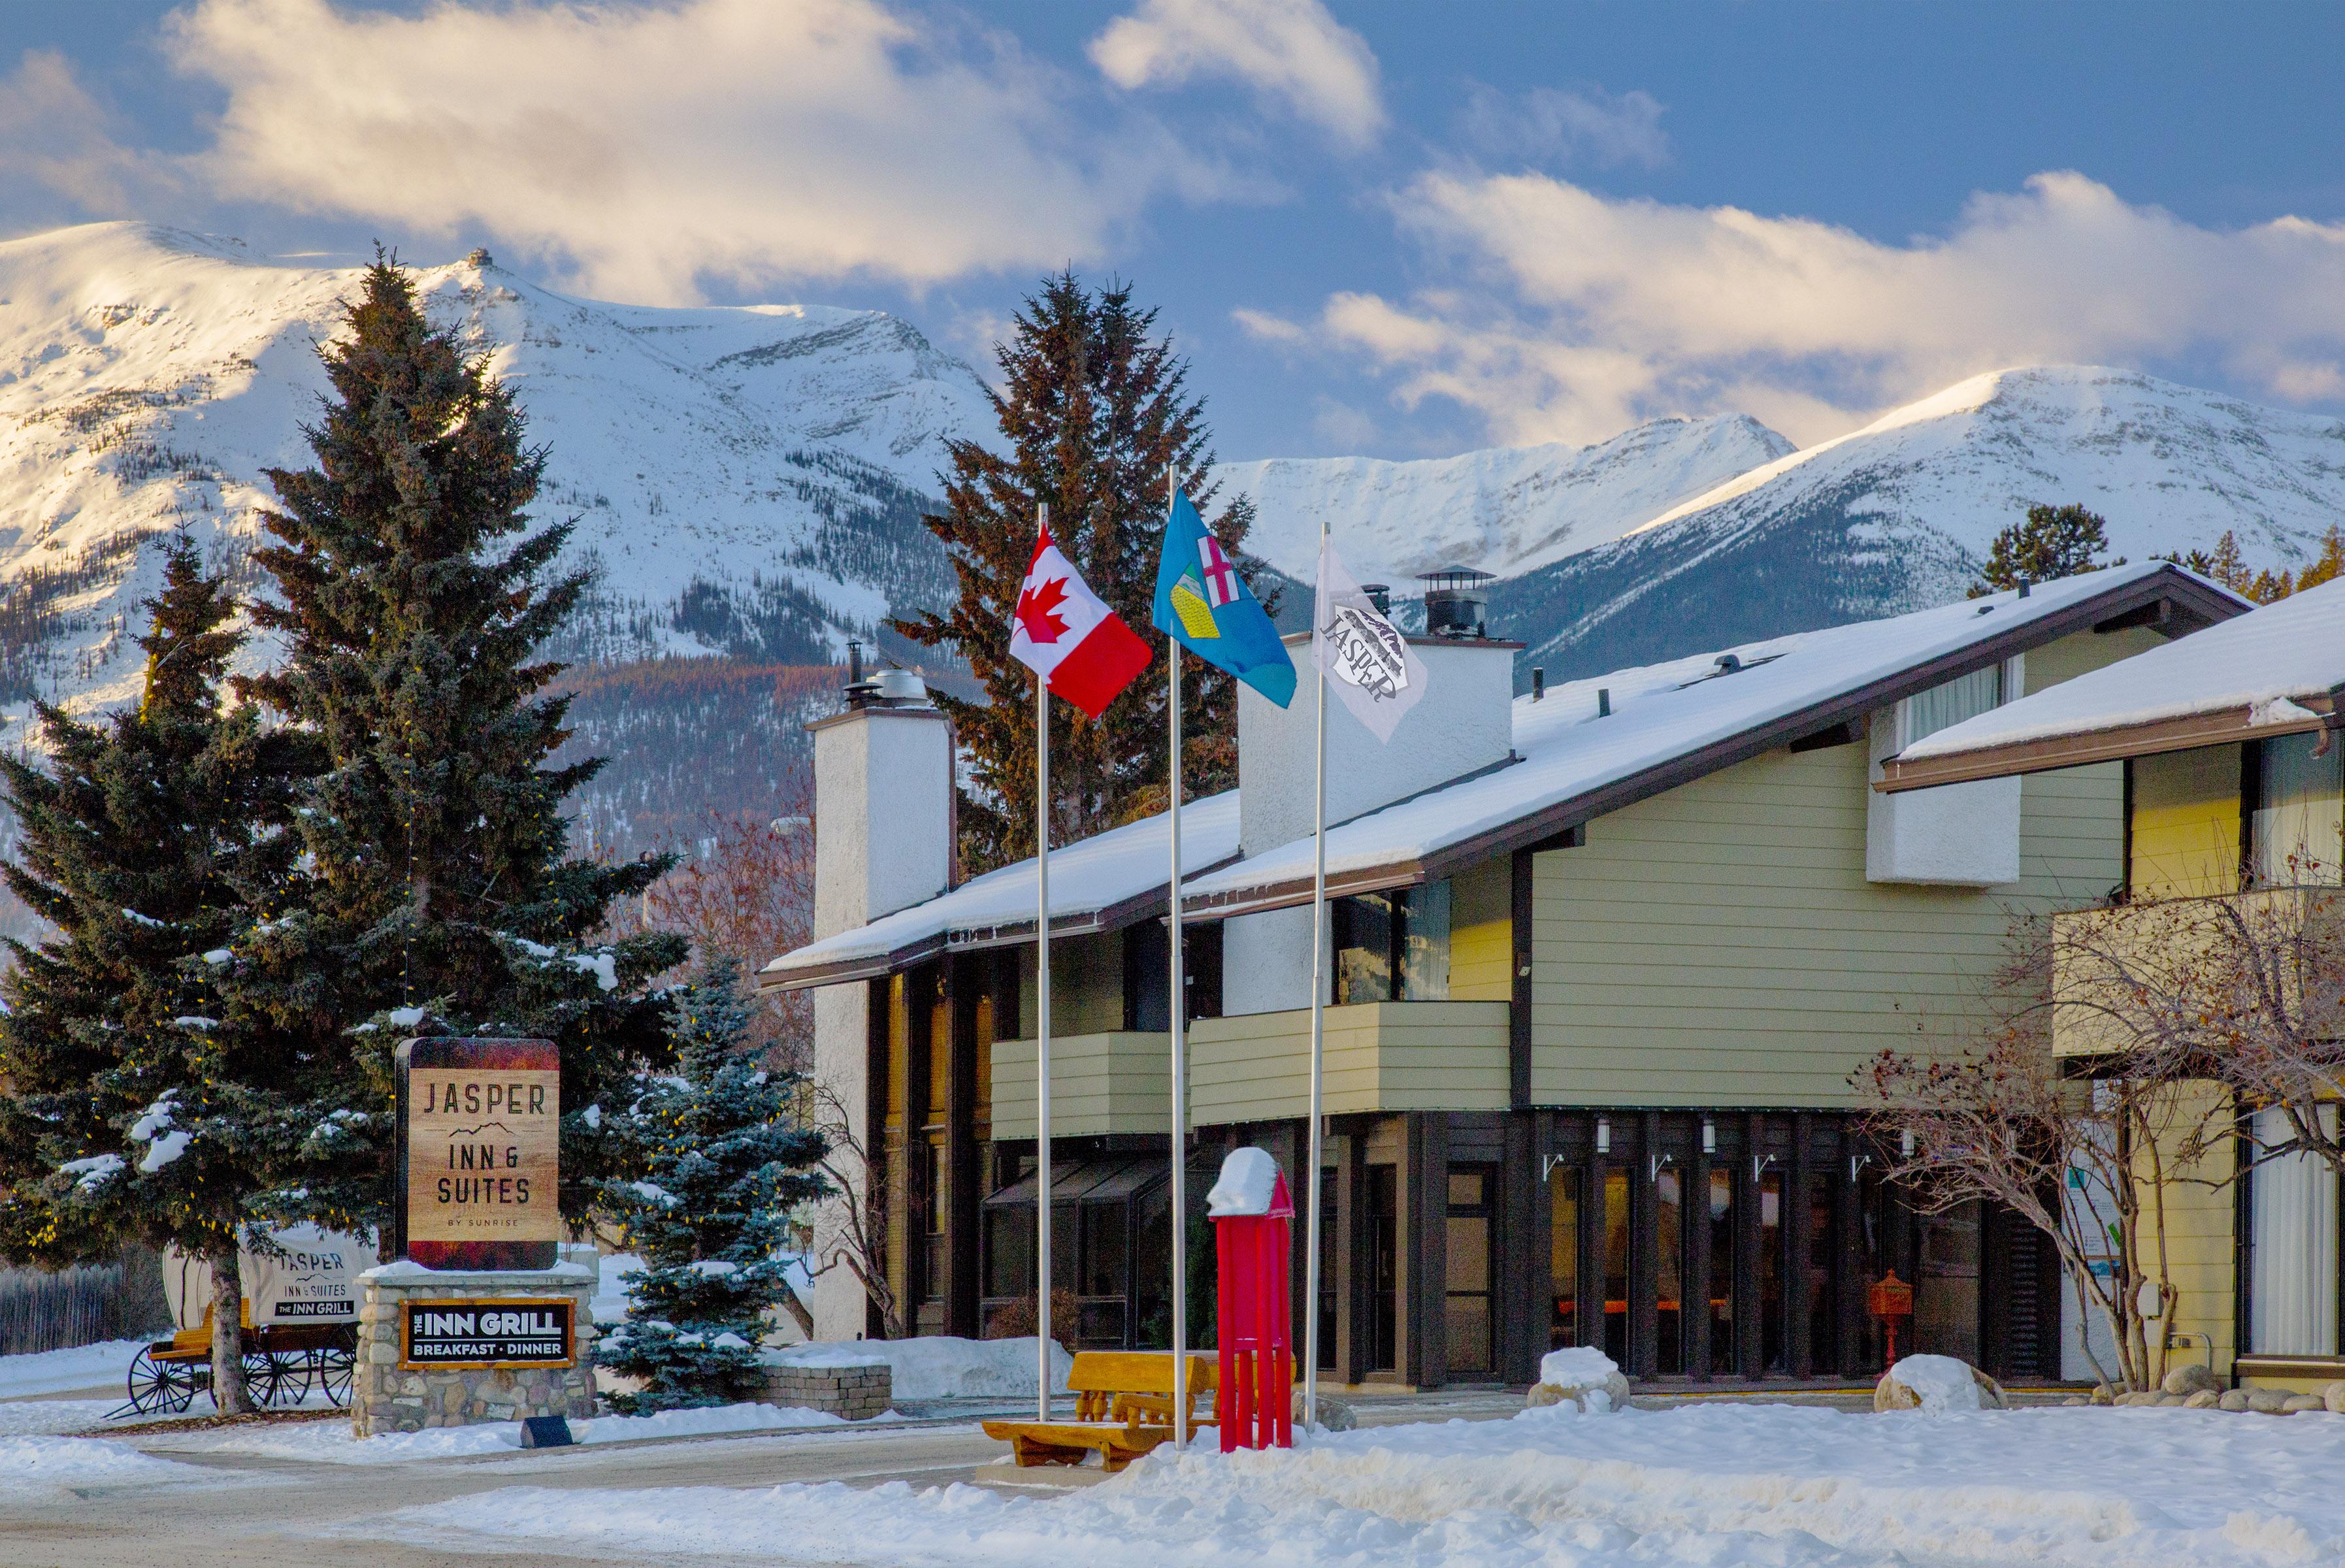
(330, 1442)
(1716, 1484)
(41, 1468)
(67, 1372)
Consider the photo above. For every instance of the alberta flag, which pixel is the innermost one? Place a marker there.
(1064, 633)
(1205, 605)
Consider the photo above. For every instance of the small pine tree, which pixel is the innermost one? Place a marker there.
(724, 1159)
(1094, 410)
(2328, 565)
(435, 891)
(2226, 563)
(136, 1105)
(2053, 542)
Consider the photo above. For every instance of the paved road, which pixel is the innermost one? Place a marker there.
(290, 1513)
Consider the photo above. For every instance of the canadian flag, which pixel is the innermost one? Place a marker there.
(1063, 633)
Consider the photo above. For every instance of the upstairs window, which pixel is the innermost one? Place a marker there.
(2296, 827)
(1942, 707)
(1392, 946)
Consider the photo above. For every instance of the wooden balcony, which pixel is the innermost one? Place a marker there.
(1380, 1056)
(2170, 947)
(1105, 1083)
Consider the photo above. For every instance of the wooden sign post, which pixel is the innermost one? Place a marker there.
(479, 1142)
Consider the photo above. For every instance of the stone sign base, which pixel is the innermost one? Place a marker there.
(387, 1397)
(857, 1392)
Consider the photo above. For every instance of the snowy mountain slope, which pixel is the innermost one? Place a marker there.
(1899, 515)
(1506, 510)
(749, 480)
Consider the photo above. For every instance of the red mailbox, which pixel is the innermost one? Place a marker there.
(1251, 1209)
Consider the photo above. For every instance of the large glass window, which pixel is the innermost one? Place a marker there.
(1669, 1191)
(1771, 1357)
(1964, 697)
(2292, 1212)
(1384, 1268)
(1563, 1256)
(1393, 947)
(1721, 1272)
(2297, 835)
(1616, 1266)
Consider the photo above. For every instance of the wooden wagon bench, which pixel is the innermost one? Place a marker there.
(282, 1362)
(1123, 1408)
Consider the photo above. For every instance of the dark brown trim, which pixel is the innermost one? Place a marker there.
(2216, 727)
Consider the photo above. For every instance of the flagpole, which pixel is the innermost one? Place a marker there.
(1179, 1024)
(1043, 1036)
(1318, 1020)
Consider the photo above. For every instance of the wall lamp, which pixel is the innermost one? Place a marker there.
(1603, 1135)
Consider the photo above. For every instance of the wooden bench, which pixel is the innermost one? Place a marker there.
(1123, 1408)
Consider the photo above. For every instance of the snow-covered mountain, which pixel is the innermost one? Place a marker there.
(1899, 515)
(1506, 509)
(749, 480)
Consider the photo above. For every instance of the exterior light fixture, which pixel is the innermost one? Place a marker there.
(1905, 1143)
(1708, 1135)
(1603, 1135)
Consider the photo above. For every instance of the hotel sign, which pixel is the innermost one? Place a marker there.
(479, 1142)
(528, 1331)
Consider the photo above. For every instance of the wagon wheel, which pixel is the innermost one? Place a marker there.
(160, 1385)
(275, 1377)
(331, 1367)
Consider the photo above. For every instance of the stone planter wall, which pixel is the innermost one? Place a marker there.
(385, 1397)
(855, 1392)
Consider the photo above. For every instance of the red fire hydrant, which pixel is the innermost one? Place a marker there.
(1251, 1208)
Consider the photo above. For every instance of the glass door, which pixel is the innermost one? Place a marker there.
(1467, 1299)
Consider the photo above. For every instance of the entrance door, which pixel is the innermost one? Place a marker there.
(1383, 1268)
(1947, 1294)
(1467, 1301)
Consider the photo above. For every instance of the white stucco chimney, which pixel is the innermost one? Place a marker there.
(883, 790)
(1464, 724)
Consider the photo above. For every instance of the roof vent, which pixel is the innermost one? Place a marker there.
(1455, 600)
(1380, 595)
(1728, 663)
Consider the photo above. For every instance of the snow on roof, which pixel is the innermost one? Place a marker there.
(1086, 878)
(2295, 648)
(1660, 713)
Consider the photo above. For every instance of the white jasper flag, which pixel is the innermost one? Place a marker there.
(1362, 653)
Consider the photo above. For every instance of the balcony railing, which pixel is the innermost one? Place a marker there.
(1106, 1083)
(1380, 1056)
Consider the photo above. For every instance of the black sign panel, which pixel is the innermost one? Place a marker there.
(531, 1331)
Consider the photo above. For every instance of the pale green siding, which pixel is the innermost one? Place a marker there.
(1380, 1056)
(1719, 944)
(1114, 1082)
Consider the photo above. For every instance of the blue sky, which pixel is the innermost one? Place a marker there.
(1395, 229)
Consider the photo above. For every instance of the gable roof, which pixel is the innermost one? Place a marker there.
(2276, 671)
(1097, 884)
(1671, 723)
(1676, 722)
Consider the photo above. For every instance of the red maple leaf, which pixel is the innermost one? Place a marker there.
(1037, 611)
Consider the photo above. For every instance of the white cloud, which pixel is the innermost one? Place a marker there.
(54, 135)
(1571, 315)
(1575, 126)
(645, 147)
(1289, 50)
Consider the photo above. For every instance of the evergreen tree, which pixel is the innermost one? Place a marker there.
(138, 1106)
(724, 1159)
(2226, 563)
(2053, 542)
(1094, 410)
(2328, 565)
(434, 893)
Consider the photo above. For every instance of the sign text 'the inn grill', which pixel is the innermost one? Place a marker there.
(479, 1153)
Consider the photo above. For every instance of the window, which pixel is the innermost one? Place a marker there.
(2292, 1219)
(1393, 947)
(1467, 1295)
(1964, 697)
(2297, 834)
(1563, 1256)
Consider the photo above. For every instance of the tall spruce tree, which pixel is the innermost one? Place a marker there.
(723, 1160)
(1094, 409)
(434, 893)
(138, 1104)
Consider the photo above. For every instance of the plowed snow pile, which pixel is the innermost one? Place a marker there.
(1785, 1486)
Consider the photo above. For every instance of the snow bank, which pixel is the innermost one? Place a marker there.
(1577, 1366)
(937, 1366)
(1942, 1382)
(1247, 1185)
(61, 1371)
(42, 1469)
(1726, 1484)
(331, 1442)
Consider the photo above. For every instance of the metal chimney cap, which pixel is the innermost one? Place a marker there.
(892, 686)
(1455, 576)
